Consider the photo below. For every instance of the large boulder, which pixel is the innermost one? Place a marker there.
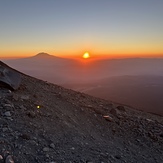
(9, 77)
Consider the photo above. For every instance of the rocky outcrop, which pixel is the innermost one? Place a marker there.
(9, 77)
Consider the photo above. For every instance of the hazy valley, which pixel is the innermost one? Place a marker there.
(137, 82)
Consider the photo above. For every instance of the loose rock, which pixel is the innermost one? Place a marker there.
(52, 145)
(7, 114)
(46, 149)
(121, 108)
(9, 159)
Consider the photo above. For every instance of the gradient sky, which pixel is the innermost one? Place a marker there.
(71, 27)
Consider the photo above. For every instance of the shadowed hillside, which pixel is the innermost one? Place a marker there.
(142, 92)
(43, 122)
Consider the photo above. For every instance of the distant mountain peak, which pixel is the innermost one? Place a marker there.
(42, 54)
(46, 56)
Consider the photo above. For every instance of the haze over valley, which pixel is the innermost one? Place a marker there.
(137, 82)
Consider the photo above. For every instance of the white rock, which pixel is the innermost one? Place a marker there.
(52, 145)
(7, 114)
(25, 97)
(45, 149)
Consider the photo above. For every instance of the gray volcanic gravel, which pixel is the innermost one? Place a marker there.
(45, 123)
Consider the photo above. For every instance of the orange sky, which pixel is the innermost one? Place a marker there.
(113, 29)
(93, 54)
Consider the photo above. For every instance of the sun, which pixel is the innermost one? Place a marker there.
(86, 55)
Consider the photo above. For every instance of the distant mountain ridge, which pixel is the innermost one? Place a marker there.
(42, 54)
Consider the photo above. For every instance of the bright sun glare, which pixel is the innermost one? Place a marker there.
(86, 55)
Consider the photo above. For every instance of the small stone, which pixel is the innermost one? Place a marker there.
(5, 129)
(47, 156)
(25, 136)
(149, 120)
(73, 148)
(22, 107)
(7, 114)
(9, 118)
(1, 157)
(52, 145)
(89, 161)
(138, 140)
(31, 114)
(46, 149)
(24, 97)
(15, 97)
(117, 156)
(7, 101)
(19, 147)
(108, 118)
(90, 106)
(161, 135)
(8, 105)
(114, 112)
(9, 159)
(35, 96)
(121, 108)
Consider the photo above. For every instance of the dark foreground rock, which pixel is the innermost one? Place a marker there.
(9, 77)
(45, 123)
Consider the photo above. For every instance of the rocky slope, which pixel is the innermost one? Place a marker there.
(45, 123)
